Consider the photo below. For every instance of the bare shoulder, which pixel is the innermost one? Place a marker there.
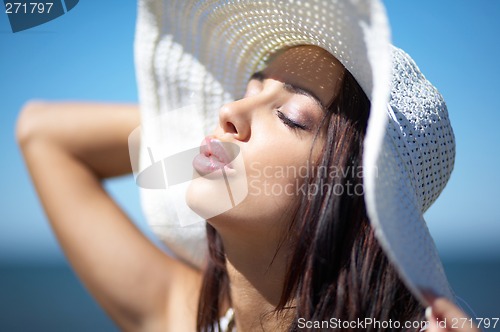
(69, 148)
(182, 298)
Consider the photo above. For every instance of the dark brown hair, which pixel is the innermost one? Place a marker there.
(336, 268)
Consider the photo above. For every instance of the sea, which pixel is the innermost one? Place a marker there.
(51, 298)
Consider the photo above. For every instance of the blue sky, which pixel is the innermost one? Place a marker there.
(87, 54)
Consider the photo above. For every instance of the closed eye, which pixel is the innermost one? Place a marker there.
(289, 122)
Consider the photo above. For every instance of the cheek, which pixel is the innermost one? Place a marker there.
(276, 173)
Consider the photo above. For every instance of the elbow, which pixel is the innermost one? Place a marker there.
(29, 123)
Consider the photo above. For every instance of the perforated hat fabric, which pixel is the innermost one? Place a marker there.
(205, 52)
(414, 165)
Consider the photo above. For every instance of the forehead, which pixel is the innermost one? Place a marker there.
(310, 68)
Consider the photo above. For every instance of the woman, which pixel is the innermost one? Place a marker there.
(278, 261)
(325, 231)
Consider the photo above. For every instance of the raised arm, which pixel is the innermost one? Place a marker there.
(69, 148)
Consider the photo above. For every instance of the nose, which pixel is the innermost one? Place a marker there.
(235, 119)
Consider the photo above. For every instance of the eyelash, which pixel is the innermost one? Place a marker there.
(289, 122)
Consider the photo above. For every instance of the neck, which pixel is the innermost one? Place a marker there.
(256, 269)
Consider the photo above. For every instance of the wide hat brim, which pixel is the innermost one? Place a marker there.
(207, 50)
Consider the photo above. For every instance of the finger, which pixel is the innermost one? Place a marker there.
(445, 310)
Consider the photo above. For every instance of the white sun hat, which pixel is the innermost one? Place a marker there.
(206, 51)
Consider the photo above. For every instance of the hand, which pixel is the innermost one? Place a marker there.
(443, 311)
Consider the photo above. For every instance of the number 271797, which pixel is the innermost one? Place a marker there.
(28, 8)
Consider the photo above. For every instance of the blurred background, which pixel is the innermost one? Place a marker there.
(87, 54)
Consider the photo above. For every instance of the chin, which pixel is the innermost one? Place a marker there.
(215, 196)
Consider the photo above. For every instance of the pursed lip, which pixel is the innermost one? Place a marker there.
(214, 148)
(215, 157)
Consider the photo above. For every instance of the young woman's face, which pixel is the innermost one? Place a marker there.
(274, 127)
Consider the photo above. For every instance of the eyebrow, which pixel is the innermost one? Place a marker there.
(259, 76)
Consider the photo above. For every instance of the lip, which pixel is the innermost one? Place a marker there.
(215, 158)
